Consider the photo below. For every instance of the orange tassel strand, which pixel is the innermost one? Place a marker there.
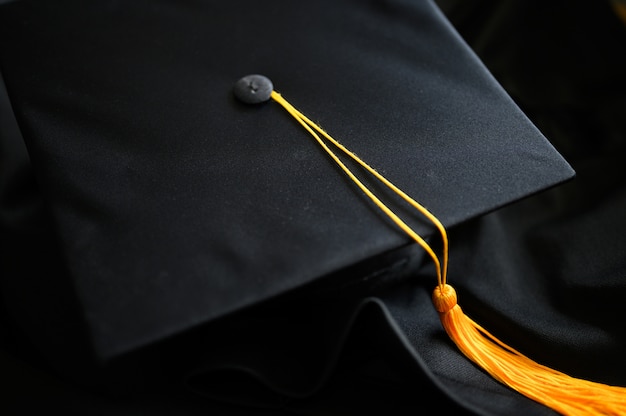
(565, 394)
(562, 393)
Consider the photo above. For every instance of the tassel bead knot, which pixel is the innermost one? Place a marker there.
(444, 298)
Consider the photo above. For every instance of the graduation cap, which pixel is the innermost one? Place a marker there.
(174, 205)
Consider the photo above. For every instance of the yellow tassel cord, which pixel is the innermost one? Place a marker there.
(562, 393)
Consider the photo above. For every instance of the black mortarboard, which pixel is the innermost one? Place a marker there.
(173, 205)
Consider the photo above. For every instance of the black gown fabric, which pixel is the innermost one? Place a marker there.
(167, 250)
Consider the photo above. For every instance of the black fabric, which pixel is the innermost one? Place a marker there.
(167, 250)
(567, 244)
(175, 204)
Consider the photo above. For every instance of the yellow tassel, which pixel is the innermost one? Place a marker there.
(562, 393)
(565, 394)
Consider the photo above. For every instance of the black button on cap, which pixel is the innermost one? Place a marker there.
(253, 89)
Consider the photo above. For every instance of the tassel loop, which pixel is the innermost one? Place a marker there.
(562, 393)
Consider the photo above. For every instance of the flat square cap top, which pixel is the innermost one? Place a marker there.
(176, 204)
